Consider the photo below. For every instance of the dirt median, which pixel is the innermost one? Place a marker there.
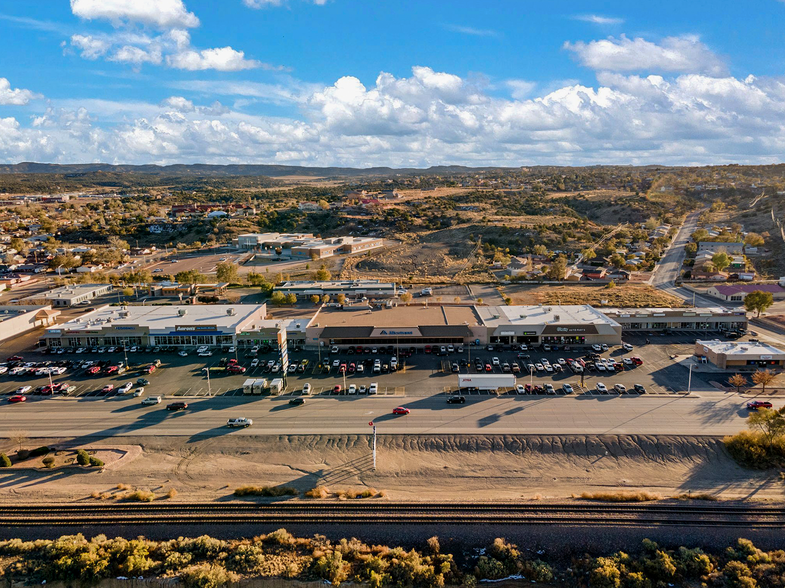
(415, 467)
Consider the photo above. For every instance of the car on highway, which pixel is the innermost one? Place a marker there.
(456, 399)
(177, 406)
(601, 388)
(756, 404)
(17, 398)
(150, 400)
(567, 389)
(298, 401)
(23, 389)
(400, 410)
(239, 422)
(306, 389)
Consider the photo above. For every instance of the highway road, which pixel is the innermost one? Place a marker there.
(706, 414)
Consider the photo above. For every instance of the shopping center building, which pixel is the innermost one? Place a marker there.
(418, 325)
(715, 319)
(182, 326)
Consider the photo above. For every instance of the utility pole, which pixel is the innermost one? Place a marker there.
(372, 424)
(209, 388)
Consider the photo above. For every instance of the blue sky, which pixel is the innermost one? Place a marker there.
(405, 83)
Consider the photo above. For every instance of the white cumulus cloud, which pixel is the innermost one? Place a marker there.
(599, 19)
(221, 59)
(685, 54)
(15, 96)
(159, 13)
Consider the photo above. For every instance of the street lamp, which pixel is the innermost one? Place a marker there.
(689, 380)
(209, 387)
(372, 424)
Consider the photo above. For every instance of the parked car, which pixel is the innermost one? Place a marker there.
(520, 389)
(639, 388)
(620, 388)
(138, 392)
(626, 347)
(602, 388)
(23, 389)
(373, 388)
(125, 388)
(142, 381)
(567, 389)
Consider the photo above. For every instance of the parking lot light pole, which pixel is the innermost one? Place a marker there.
(372, 424)
(689, 380)
(209, 387)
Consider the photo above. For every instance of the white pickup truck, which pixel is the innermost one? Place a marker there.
(239, 422)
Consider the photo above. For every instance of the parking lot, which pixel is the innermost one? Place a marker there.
(418, 375)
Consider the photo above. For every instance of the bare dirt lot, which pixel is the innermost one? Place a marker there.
(447, 467)
(624, 296)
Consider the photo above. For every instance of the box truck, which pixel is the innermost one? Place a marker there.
(248, 386)
(259, 386)
(486, 381)
(276, 386)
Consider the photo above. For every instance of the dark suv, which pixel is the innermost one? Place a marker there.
(177, 406)
(456, 399)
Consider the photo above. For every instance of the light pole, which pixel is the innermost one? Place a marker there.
(209, 387)
(689, 380)
(372, 424)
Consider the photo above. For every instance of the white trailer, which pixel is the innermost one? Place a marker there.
(486, 381)
(259, 386)
(276, 386)
(248, 386)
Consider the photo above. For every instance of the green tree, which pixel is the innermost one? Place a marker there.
(315, 299)
(291, 298)
(540, 250)
(341, 298)
(758, 301)
(5, 461)
(226, 271)
(721, 260)
(770, 423)
(617, 260)
(278, 298)
(700, 235)
(558, 269)
(322, 274)
(127, 292)
(588, 254)
(189, 277)
(691, 249)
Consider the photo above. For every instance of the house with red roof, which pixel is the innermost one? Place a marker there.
(738, 292)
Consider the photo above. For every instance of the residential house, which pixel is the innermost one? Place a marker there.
(738, 292)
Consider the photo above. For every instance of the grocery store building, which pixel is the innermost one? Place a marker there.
(419, 325)
(349, 288)
(746, 355)
(16, 319)
(679, 319)
(69, 295)
(182, 326)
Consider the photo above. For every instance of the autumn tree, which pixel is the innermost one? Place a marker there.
(764, 378)
(558, 269)
(315, 299)
(753, 240)
(758, 301)
(406, 297)
(341, 298)
(322, 274)
(738, 381)
(226, 271)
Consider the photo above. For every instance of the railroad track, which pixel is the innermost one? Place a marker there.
(321, 513)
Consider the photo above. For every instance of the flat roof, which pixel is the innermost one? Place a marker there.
(398, 316)
(15, 310)
(308, 284)
(164, 317)
(740, 348)
(573, 314)
(64, 292)
(697, 311)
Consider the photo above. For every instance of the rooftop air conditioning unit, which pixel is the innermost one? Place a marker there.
(231, 311)
(182, 311)
(556, 318)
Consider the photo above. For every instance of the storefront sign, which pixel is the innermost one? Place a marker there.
(191, 328)
(407, 332)
(570, 330)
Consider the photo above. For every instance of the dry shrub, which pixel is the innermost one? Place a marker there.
(620, 496)
(124, 487)
(354, 493)
(696, 496)
(268, 491)
(537, 497)
(171, 493)
(139, 496)
(750, 448)
(321, 492)
(95, 494)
